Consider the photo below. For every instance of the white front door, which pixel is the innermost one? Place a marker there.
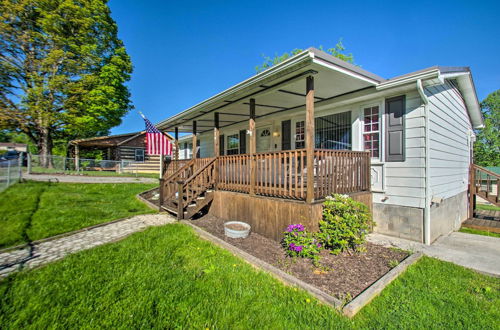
(263, 139)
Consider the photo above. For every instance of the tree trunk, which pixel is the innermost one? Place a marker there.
(45, 148)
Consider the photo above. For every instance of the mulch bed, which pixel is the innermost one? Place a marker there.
(149, 196)
(343, 276)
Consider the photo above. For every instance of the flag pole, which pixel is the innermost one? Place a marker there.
(161, 155)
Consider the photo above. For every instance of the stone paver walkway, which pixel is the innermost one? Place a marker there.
(56, 249)
(87, 179)
(478, 252)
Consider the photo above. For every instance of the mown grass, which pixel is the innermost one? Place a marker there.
(35, 210)
(487, 207)
(479, 232)
(166, 277)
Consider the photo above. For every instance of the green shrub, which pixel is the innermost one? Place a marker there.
(297, 242)
(344, 225)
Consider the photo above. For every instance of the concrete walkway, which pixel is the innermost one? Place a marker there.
(478, 252)
(51, 250)
(87, 179)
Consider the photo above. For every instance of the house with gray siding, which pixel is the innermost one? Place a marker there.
(418, 129)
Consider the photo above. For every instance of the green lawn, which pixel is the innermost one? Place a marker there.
(166, 277)
(35, 210)
(478, 232)
(487, 207)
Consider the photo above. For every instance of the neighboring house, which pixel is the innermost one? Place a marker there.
(186, 147)
(417, 129)
(128, 148)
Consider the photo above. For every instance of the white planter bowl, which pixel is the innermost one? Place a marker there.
(233, 233)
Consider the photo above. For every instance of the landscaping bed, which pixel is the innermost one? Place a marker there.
(343, 276)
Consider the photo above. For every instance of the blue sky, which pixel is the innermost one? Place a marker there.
(186, 51)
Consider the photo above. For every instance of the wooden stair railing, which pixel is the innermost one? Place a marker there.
(168, 184)
(193, 193)
(483, 183)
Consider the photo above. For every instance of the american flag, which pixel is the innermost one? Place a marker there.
(157, 142)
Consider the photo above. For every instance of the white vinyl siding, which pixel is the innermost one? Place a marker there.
(450, 129)
(405, 181)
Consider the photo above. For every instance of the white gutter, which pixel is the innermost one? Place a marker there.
(408, 79)
(427, 207)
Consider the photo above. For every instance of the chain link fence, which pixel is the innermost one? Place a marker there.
(65, 165)
(10, 172)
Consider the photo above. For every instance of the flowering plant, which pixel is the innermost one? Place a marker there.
(297, 242)
(345, 223)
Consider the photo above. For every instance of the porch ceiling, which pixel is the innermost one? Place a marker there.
(281, 91)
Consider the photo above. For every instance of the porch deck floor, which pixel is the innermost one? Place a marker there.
(484, 220)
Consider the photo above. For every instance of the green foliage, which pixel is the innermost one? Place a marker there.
(35, 210)
(63, 70)
(338, 51)
(345, 223)
(298, 242)
(487, 145)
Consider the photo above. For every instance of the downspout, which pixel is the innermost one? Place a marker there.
(427, 208)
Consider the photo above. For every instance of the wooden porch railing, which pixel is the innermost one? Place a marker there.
(340, 171)
(202, 180)
(483, 183)
(284, 173)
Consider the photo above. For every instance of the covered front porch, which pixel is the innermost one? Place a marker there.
(307, 157)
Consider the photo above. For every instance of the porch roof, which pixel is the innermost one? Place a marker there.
(279, 88)
(282, 87)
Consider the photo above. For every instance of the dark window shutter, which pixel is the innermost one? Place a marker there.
(198, 149)
(395, 129)
(221, 145)
(286, 135)
(243, 141)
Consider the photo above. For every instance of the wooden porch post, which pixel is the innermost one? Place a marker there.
(194, 139)
(472, 190)
(253, 140)
(310, 138)
(176, 145)
(216, 147)
(216, 135)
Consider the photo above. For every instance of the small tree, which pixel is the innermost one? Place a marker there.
(338, 51)
(487, 146)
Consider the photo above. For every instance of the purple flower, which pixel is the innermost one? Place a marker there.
(298, 248)
(291, 247)
(297, 227)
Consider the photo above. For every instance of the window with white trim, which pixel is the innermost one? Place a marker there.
(233, 144)
(300, 129)
(139, 155)
(371, 131)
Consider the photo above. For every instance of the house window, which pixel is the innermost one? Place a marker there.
(300, 129)
(139, 155)
(333, 131)
(265, 132)
(233, 144)
(371, 131)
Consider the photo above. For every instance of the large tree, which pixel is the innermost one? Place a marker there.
(487, 146)
(338, 51)
(63, 70)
